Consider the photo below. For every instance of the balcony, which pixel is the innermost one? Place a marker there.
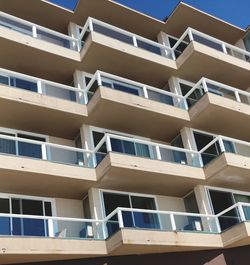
(147, 231)
(42, 103)
(145, 166)
(27, 40)
(107, 93)
(227, 162)
(26, 162)
(194, 50)
(52, 238)
(212, 102)
(119, 233)
(117, 51)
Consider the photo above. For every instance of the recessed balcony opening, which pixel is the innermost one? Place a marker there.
(36, 31)
(105, 141)
(35, 146)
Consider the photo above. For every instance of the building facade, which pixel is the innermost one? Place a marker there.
(123, 139)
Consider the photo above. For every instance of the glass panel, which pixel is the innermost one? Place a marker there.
(145, 220)
(142, 150)
(209, 43)
(112, 33)
(113, 201)
(23, 84)
(53, 38)
(7, 146)
(240, 149)
(4, 221)
(149, 47)
(157, 96)
(4, 80)
(54, 91)
(17, 26)
(196, 224)
(30, 150)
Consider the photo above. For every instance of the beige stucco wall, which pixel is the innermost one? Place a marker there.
(72, 209)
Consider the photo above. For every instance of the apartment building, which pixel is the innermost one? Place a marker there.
(123, 139)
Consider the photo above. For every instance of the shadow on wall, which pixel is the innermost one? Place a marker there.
(235, 256)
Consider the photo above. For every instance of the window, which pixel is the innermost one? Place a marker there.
(21, 148)
(24, 206)
(131, 219)
(120, 146)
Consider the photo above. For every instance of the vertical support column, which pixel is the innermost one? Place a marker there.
(79, 82)
(203, 201)
(189, 143)
(175, 88)
(34, 31)
(85, 134)
(73, 32)
(163, 39)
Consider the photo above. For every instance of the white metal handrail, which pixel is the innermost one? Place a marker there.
(47, 144)
(29, 78)
(190, 32)
(205, 82)
(99, 75)
(134, 37)
(125, 138)
(35, 28)
(54, 218)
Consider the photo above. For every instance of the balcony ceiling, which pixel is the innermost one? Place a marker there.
(57, 18)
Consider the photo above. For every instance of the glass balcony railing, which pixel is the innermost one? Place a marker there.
(23, 147)
(196, 91)
(194, 35)
(134, 88)
(38, 32)
(160, 221)
(19, 225)
(41, 86)
(146, 149)
(94, 25)
(221, 144)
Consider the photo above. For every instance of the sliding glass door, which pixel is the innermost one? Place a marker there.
(20, 147)
(24, 226)
(121, 146)
(131, 219)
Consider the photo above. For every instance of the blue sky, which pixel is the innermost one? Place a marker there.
(236, 12)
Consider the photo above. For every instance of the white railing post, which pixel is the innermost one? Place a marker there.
(145, 92)
(135, 41)
(39, 87)
(190, 35)
(120, 219)
(218, 224)
(237, 95)
(158, 152)
(204, 84)
(242, 214)
(173, 224)
(51, 228)
(34, 31)
(108, 144)
(91, 27)
(224, 48)
(200, 160)
(99, 78)
(44, 152)
(222, 147)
